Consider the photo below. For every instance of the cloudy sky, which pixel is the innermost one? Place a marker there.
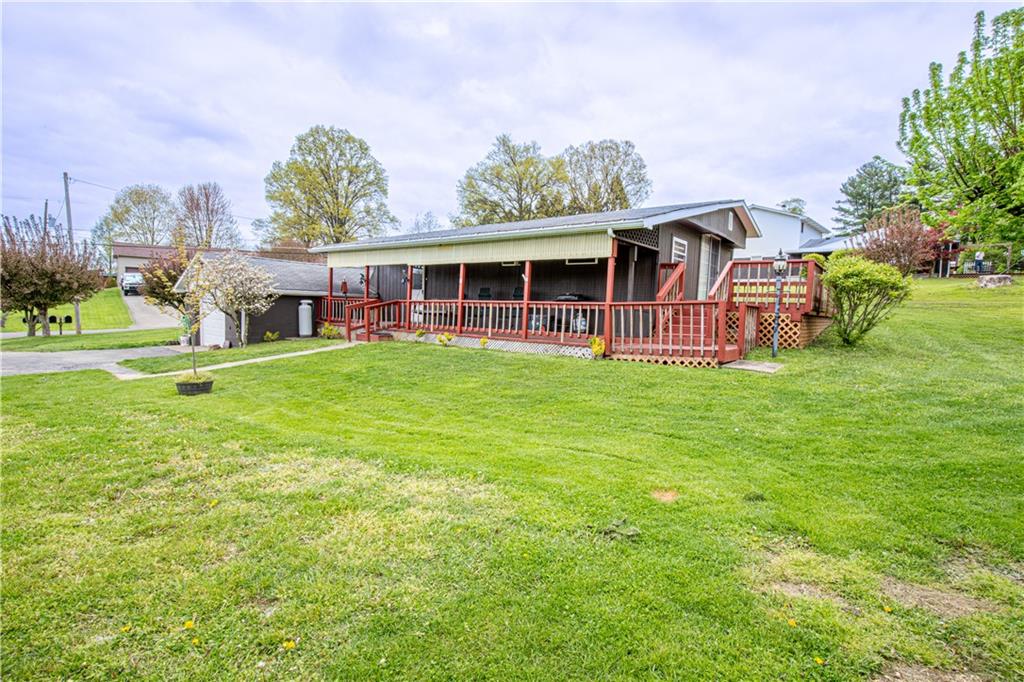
(728, 101)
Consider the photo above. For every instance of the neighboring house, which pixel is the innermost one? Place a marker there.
(823, 246)
(780, 229)
(130, 258)
(294, 282)
(655, 284)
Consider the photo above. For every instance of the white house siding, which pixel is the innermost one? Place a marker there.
(778, 231)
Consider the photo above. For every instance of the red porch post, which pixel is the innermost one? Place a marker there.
(462, 295)
(528, 272)
(808, 305)
(366, 282)
(408, 296)
(609, 293)
(330, 294)
(741, 329)
(720, 330)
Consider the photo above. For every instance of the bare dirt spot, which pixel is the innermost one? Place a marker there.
(807, 591)
(939, 602)
(907, 672)
(665, 495)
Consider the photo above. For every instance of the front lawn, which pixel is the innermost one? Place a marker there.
(105, 310)
(402, 510)
(104, 341)
(172, 363)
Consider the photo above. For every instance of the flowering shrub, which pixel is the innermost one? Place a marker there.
(420, 333)
(329, 331)
(445, 338)
(483, 342)
(269, 336)
(597, 346)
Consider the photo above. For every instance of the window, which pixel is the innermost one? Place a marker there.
(581, 261)
(678, 250)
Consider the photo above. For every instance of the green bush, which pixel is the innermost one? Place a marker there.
(839, 254)
(190, 378)
(863, 293)
(329, 331)
(270, 337)
(817, 258)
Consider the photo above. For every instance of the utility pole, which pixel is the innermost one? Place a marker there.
(71, 242)
(46, 214)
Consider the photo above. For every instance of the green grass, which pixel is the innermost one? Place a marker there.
(107, 340)
(215, 357)
(409, 511)
(105, 310)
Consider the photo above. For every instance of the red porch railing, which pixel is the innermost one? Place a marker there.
(671, 282)
(753, 282)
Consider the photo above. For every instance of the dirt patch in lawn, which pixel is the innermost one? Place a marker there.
(906, 672)
(665, 495)
(807, 591)
(939, 602)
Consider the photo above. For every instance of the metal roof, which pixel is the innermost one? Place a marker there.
(632, 217)
(825, 245)
(814, 224)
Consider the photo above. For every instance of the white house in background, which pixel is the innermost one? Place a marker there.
(780, 229)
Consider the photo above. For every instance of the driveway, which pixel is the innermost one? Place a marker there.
(74, 360)
(146, 316)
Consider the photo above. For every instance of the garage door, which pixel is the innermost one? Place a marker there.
(213, 328)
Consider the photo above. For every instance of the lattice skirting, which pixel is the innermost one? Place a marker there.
(732, 326)
(505, 345)
(710, 363)
(792, 333)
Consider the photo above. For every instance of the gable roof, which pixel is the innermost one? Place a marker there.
(806, 220)
(292, 278)
(585, 222)
(824, 245)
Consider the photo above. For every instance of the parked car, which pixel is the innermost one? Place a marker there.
(131, 284)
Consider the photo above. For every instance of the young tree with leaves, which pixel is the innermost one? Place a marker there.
(604, 176)
(863, 293)
(513, 182)
(203, 214)
(964, 137)
(795, 205)
(161, 273)
(331, 189)
(876, 186)
(235, 286)
(41, 268)
(899, 238)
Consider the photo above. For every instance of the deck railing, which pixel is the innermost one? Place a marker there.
(671, 282)
(753, 282)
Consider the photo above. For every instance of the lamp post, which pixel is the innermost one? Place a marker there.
(779, 266)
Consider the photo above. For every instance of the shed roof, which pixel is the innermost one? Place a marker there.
(295, 278)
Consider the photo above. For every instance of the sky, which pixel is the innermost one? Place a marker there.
(738, 101)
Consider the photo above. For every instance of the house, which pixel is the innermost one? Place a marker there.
(825, 246)
(294, 282)
(655, 284)
(780, 229)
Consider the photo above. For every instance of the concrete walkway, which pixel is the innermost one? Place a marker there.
(31, 362)
(130, 374)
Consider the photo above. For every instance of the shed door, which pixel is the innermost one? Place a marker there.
(213, 328)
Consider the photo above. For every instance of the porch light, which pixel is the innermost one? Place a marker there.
(779, 264)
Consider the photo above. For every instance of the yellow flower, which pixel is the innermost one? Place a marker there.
(213, 503)
(887, 609)
(792, 622)
(195, 640)
(289, 644)
(189, 624)
(126, 628)
(819, 660)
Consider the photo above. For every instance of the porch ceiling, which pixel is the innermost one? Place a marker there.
(555, 247)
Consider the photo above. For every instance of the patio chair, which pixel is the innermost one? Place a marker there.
(485, 294)
(517, 294)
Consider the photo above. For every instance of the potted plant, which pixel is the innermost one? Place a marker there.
(194, 383)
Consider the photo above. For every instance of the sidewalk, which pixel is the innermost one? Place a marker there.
(127, 374)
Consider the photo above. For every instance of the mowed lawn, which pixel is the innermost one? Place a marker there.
(104, 341)
(215, 357)
(104, 310)
(402, 510)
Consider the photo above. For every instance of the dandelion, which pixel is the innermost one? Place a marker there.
(288, 644)
(792, 622)
(819, 660)
(189, 624)
(195, 641)
(887, 609)
(214, 503)
(126, 628)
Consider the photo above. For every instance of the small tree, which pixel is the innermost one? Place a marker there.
(863, 293)
(161, 273)
(196, 293)
(41, 268)
(236, 287)
(897, 237)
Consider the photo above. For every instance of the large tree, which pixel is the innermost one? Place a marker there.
(604, 176)
(964, 136)
(142, 214)
(513, 182)
(425, 222)
(204, 216)
(331, 189)
(41, 268)
(876, 186)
